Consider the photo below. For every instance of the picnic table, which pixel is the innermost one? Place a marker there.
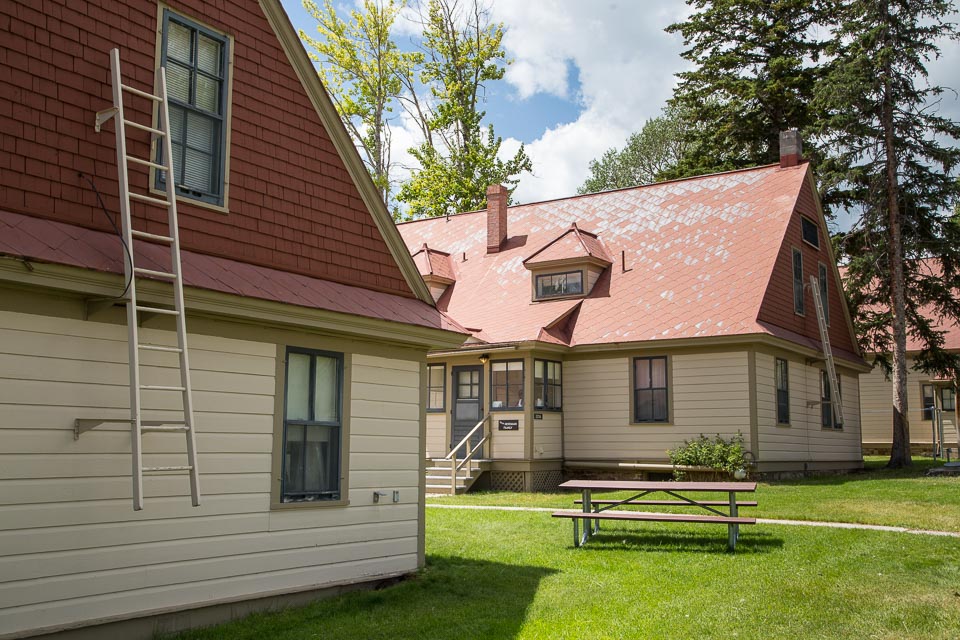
(593, 510)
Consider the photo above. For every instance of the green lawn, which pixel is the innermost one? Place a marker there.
(905, 498)
(496, 575)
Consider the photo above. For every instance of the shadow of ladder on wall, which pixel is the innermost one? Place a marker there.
(139, 426)
(832, 379)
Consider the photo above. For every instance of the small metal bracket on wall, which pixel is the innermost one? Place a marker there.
(82, 425)
(103, 117)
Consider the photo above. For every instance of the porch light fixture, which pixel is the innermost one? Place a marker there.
(485, 358)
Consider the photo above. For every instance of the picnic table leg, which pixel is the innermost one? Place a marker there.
(576, 532)
(586, 509)
(733, 529)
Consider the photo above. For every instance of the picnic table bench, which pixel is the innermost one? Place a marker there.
(593, 511)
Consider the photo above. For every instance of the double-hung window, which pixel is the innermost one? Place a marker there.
(312, 426)
(436, 386)
(781, 373)
(547, 385)
(824, 297)
(797, 282)
(650, 389)
(927, 398)
(195, 59)
(827, 417)
(506, 384)
(948, 399)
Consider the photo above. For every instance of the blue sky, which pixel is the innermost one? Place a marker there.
(584, 76)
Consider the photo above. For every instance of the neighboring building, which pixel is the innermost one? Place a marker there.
(931, 401)
(608, 328)
(309, 327)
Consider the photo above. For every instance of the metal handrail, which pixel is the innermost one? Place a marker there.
(454, 465)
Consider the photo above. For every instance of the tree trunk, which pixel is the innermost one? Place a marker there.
(900, 448)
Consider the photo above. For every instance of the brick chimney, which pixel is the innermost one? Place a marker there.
(496, 217)
(791, 149)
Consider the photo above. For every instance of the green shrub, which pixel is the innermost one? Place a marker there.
(724, 457)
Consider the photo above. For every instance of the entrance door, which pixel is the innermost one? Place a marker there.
(467, 406)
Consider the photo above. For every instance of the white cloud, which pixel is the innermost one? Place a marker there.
(625, 63)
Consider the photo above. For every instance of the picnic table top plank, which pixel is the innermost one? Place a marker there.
(644, 485)
(656, 517)
(670, 503)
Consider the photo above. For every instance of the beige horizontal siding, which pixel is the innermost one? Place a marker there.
(877, 401)
(72, 548)
(804, 439)
(547, 436)
(709, 394)
(437, 440)
(507, 444)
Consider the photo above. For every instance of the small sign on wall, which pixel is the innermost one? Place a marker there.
(508, 425)
(538, 416)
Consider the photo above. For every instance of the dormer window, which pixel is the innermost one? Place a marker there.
(553, 285)
(568, 266)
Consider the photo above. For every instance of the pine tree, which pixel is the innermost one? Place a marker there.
(648, 156)
(890, 163)
(754, 75)
(459, 158)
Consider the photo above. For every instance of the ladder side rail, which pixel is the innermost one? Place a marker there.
(132, 325)
(176, 269)
(832, 379)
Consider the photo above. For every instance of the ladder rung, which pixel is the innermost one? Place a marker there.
(158, 347)
(186, 467)
(143, 127)
(165, 428)
(161, 387)
(143, 235)
(142, 94)
(169, 312)
(146, 163)
(156, 274)
(149, 200)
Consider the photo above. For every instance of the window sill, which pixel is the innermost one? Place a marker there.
(506, 409)
(651, 424)
(316, 504)
(441, 410)
(783, 425)
(219, 208)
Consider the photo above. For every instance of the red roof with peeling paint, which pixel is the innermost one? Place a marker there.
(691, 258)
(42, 240)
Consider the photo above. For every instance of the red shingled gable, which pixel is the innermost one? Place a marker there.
(699, 255)
(60, 243)
(292, 204)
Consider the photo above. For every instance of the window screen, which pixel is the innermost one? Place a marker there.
(436, 387)
(797, 282)
(781, 372)
(312, 426)
(506, 385)
(195, 60)
(810, 231)
(650, 389)
(547, 385)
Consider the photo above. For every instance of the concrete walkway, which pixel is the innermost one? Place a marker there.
(798, 523)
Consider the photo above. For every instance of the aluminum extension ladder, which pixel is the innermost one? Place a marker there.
(138, 426)
(827, 352)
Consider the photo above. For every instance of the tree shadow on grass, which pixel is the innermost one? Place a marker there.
(622, 539)
(452, 597)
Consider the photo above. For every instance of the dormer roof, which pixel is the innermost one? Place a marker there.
(574, 245)
(434, 265)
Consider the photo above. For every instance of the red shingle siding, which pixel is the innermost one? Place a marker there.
(777, 306)
(292, 204)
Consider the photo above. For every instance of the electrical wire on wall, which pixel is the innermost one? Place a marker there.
(126, 249)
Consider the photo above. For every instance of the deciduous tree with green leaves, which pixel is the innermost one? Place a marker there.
(459, 158)
(753, 77)
(362, 66)
(894, 161)
(649, 155)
